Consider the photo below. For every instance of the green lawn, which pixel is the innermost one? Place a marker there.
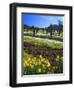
(53, 44)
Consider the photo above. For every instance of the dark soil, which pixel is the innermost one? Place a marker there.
(45, 52)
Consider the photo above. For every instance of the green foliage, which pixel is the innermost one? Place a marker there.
(40, 65)
(53, 44)
(59, 66)
(43, 33)
(35, 65)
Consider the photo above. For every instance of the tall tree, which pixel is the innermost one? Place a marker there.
(37, 29)
(60, 27)
(51, 28)
(33, 29)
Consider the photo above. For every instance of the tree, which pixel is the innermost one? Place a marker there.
(37, 29)
(50, 29)
(46, 30)
(33, 29)
(25, 27)
(60, 27)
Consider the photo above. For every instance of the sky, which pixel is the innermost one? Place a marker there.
(40, 20)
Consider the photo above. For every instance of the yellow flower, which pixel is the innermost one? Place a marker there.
(29, 59)
(34, 58)
(39, 62)
(58, 57)
(26, 64)
(48, 64)
(42, 60)
(45, 61)
(39, 70)
(40, 56)
(61, 58)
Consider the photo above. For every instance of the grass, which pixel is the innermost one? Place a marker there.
(53, 44)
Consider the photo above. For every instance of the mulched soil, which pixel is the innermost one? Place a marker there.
(48, 53)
